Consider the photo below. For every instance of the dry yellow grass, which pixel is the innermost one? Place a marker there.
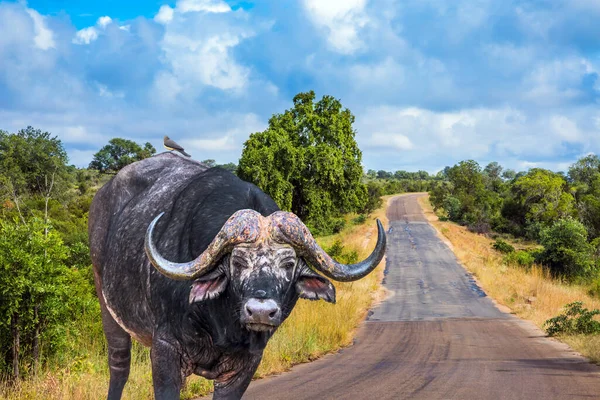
(313, 329)
(529, 293)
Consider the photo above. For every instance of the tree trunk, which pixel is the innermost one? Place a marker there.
(14, 325)
(36, 340)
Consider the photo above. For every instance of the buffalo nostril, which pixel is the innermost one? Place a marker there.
(262, 311)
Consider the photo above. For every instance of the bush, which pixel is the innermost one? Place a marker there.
(574, 320)
(336, 249)
(453, 207)
(503, 247)
(479, 227)
(338, 252)
(360, 219)
(566, 249)
(521, 258)
(338, 225)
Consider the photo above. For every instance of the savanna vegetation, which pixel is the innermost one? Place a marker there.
(532, 240)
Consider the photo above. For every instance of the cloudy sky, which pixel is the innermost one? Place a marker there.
(431, 82)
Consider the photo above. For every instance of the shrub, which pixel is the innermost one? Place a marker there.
(338, 225)
(360, 219)
(479, 227)
(336, 249)
(521, 258)
(503, 247)
(574, 320)
(453, 207)
(566, 249)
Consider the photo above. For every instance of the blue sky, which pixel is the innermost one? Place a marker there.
(430, 82)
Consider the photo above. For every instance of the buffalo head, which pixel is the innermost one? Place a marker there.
(263, 261)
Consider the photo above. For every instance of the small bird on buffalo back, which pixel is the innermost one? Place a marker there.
(171, 145)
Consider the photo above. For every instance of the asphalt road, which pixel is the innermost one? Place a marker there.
(436, 336)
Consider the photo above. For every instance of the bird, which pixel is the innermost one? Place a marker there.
(171, 145)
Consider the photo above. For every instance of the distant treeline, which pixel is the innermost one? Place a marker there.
(559, 211)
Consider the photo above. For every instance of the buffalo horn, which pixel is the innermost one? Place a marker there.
(287, 228)
(244, 226)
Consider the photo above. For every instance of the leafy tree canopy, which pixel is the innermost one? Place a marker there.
(542, 196)
(119, 153)
(308, 161)
(585, 169)
(29, 162)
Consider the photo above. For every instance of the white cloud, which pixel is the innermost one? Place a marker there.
(480, 134)
(197, 48)
(103, 91)
(104, 21)
(219, 144)
(565, 128)
(556, 82)
(164, 15)
(86, 35)
(387, 71)
(205, 60)
(395, 140)
(44, 37)
(91, 33)
(341, 19)
(211, 6)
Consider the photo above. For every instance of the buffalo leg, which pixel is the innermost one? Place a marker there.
(119, 355)
(166, 370)
(231, 386)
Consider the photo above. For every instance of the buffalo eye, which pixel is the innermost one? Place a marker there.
(239, 262)
(288, 263)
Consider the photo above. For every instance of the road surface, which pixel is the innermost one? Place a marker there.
(437, 336)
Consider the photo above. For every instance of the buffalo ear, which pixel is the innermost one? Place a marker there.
(314, 287)
(208, 287)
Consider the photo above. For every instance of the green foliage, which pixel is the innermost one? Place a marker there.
(308, 161)
(566, 249)
(338, 252)
(374, 193)
(119, 153)
(585, 170)
(360, 219)
(502, 246)
(33, 277)
(521, 257)
(541, 196)
(575, 320)
(31, 162)
(453, 208)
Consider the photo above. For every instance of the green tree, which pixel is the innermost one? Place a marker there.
(308, 161)
(381, 174)
(566, 249)
(538, 198)
(119, 153)
(231, 167)
(509, 174)
(585, 169)
(32, 289)
(32, 162)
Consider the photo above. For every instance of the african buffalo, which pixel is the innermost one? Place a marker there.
(211, 316)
